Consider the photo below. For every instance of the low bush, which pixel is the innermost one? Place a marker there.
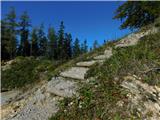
(26, 70)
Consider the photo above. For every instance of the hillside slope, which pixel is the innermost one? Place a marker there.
(121, 81)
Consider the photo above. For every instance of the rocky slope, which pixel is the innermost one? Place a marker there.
(41, 102)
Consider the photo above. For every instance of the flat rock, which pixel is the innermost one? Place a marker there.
(61, 87)
(86, 63)
(8, 96)
(75, 73)
(107, 54)
(102, 57)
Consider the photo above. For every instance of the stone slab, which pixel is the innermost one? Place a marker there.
(61, 87)
(86, 63)
(75, 73)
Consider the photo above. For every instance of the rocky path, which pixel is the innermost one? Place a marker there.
(43, 102)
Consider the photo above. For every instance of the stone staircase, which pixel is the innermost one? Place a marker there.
(43, 102)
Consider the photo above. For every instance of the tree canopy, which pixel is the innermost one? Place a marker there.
(136, 14)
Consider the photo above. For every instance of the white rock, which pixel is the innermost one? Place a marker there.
(7, 96)
(108, 51)
(86, 63)
(102, 57)
(61, 87)
(75, 73)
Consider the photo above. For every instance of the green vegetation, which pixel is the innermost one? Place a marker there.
(98, 98)
(137, 14)
(25, 71)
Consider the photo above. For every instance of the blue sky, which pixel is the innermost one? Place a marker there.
(85, 20)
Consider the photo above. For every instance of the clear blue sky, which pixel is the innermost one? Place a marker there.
(85, 20)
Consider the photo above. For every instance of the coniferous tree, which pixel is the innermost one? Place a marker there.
(76, 48)
(34, 42)
(42, 41)
(9, 34)
(4, 41)
(95, 44)
(136, 14)
(52, 47)
(24, 24)
(85, 46)
(68, 46)
(61, 51)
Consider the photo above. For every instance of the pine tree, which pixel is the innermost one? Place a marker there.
(9, 34)
(61, 51)
(34, 42)
(52, 47)
(42, 41)
(95, 44)
(76, 48)
(68, 46)
(24, 24)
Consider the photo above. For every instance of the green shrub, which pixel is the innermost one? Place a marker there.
(27, 70)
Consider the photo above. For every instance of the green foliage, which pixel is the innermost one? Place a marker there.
(84, 47)
(21, 73)
(27, 70)
(136, 14)
(34, 43)
(98, 97)
(43, 43)
(76, 48)
(24, 24)
(61, 51)
(9, 38)
(132, 60)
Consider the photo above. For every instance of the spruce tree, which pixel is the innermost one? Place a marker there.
(4, 41)
(42, 41)
(61, 51)
(9, 33)
(136, 14)
(68, 46)
(24, 24)
(85, 46)
(76, 48)
(34, 43)
(52, 45)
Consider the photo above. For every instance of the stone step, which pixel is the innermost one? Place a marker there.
(75, 73)
(101, 57)
(61, 87)
(108, 51)
(86, 63)
(107, 54)
(8, 96)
